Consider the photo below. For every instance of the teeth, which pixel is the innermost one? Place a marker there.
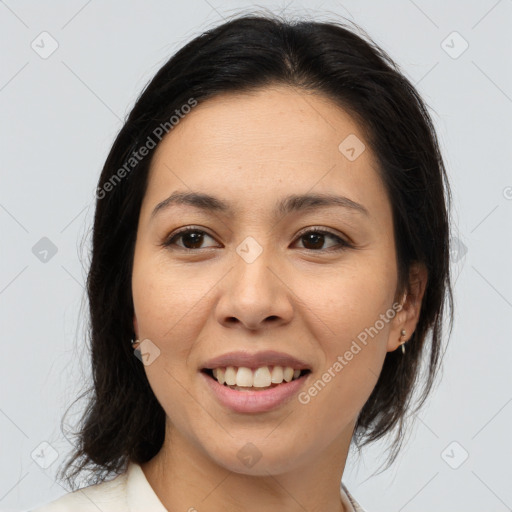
(277, 374)
(230, 376)
(244, 377)
(218, 373)
(288, 374)
(262, 377)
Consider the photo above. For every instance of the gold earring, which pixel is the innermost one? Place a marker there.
(402, 333)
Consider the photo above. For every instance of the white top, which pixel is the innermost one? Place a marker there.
(130, 492)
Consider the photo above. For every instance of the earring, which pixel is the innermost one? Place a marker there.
(402, 334)
(133, 343)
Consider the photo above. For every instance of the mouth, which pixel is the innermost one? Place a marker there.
(254, 379)
(253, 383)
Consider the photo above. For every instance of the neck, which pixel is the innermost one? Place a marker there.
(186, 478)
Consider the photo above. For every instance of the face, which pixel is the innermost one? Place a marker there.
(256, 280)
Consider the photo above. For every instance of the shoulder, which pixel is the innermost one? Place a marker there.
(108, 496)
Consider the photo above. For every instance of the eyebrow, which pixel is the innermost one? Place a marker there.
(287, 205)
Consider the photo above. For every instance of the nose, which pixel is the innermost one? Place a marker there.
(254, 294)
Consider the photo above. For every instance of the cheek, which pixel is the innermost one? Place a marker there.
(347, 300)
(350, 317)
(353, 359)
(167, 317)
(166, 301)
(171, 306)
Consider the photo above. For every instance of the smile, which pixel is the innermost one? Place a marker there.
(253, 391)
(264, 377)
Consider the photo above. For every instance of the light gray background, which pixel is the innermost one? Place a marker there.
(60, 115)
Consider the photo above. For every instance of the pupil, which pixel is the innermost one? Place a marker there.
(315, 237)
(195, 238)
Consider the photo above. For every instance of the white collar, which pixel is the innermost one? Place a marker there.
(142, 498)
(139, 494)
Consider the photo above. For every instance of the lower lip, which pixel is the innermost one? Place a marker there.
(254, 401)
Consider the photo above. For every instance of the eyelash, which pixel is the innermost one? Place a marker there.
(341, 242)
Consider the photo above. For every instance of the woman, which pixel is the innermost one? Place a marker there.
(271, 234)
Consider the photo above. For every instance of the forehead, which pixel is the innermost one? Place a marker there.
(266, 142)
(274, 119)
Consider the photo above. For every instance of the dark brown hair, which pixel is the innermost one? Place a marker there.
(123, 421)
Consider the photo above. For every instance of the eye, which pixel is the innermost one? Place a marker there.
(192, 238)
(315, 237)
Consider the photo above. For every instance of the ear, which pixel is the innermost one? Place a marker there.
(408, 315)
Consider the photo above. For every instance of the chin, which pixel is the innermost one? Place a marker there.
(254, 458)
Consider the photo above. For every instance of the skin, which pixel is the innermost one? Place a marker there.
(299, 296)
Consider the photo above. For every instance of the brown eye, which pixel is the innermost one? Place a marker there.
(191, 239)
(314, 240)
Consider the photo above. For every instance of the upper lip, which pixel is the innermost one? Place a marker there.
(255, 360)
